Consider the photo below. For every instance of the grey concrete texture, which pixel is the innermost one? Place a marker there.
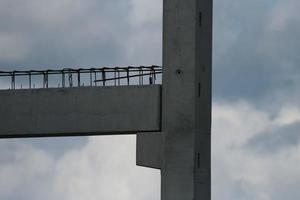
(149, 150)
(180, 110)
(80, 111)
(186, 100)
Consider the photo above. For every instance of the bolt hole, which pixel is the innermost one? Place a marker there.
(200, 19)
(178, 72)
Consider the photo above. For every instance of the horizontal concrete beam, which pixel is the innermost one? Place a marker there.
(149, 150)
(80, 111)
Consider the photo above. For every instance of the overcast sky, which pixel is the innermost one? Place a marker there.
(256, 108)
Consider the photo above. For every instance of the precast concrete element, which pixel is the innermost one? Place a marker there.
(186, 104)
(80, 111)
(173, 121)
(149, 150)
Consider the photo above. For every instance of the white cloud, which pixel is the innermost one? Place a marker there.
(240, 172)
(22, 167)
(103, 169)
(288, 115)
(238, 122)
(282, 14)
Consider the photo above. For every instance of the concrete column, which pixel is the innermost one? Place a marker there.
(186, 105)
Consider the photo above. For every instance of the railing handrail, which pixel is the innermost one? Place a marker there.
(107, 74)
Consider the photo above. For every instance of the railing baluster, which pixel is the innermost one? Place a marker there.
(116, 74)
(63, 81)
(78, 78)
(95, 78)
(29, 80)
(13, 81)
(103, 77)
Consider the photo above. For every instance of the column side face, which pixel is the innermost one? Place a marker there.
(202, 187)
(186, 105)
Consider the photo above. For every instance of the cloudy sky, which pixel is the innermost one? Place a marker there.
(256, 115)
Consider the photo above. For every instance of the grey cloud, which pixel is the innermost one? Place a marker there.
(281, 138)
(252, 59)
(76, 33)
(65, 33)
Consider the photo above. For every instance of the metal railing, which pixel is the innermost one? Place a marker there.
(80, 77)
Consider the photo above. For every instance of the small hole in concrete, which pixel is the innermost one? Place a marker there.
(200, 19)
(178, 72)
(199, 89)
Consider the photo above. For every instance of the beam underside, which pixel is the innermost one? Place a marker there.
(80, 111)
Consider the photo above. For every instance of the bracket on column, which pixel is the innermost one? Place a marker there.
(149, 150)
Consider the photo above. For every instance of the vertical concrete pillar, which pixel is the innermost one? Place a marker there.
(186, 122)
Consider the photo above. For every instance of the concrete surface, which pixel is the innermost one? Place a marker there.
(186, 104)
(80, 111)
(149, 150)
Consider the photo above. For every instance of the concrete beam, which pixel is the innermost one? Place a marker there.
(80, 111)
(149, 150)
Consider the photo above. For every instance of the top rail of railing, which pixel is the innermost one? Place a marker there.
(69, 77)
